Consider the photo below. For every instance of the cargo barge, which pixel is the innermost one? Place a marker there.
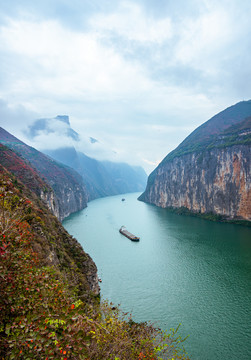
(126, 233)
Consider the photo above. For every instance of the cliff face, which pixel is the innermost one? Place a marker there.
(51, 201)
(219, 181)
(216, 179)
(17, 166)
(70, 194)
(102, 178)
(64, 190)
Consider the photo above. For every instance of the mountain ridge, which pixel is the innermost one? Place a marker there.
(101, 178)
(67, 184)
(209, 172)
(206, 132)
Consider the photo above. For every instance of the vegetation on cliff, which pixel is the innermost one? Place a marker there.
(230, 127)
(208, 174)
(49, 305)
(22, 171)
(68, 187)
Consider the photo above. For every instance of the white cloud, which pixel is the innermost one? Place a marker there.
(131, 22)
(63, 66)
(14, 118)
(201, 40)
(134, 78)
(51, 141)
(68, 64)
(111, 99)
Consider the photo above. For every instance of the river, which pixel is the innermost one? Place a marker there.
(183, 270)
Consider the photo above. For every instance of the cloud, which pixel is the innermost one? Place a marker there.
(201, 38)
(66, 65)
(197, 44)
(136, 75)
(130, 22)
(62, 71)
(14, 118)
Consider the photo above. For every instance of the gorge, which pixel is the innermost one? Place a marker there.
(182, 269)
(49, 291)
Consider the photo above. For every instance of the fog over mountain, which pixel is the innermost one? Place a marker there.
(56, 138)
(56, 132)
(138, 76)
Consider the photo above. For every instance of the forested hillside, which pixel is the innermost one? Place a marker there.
(49, 293)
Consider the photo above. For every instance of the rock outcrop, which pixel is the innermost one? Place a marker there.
(210, 171)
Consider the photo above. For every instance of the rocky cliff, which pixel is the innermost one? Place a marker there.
(210, 171)
(69, 194)
(101, 178)
(54, 246)
(17, 166)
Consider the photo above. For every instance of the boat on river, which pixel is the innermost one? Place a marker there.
(126, 233)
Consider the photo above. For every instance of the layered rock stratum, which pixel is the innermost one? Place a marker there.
(209, 172)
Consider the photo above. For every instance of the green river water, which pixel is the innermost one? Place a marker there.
(183, 270)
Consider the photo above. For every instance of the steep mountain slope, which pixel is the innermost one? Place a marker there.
(51, 241)
(102, 178)
(49, 294)
(215, 130)
(17, 166)
(67, 184)
(126, 178)
(209, 172)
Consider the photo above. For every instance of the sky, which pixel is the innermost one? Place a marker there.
(136, 75)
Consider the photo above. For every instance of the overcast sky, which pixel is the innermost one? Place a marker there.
(137, 75)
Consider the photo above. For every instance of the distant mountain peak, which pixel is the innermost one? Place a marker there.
(92, 140)
(50, 125)
(63, 118)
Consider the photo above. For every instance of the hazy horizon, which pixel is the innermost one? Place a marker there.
(138, 76)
